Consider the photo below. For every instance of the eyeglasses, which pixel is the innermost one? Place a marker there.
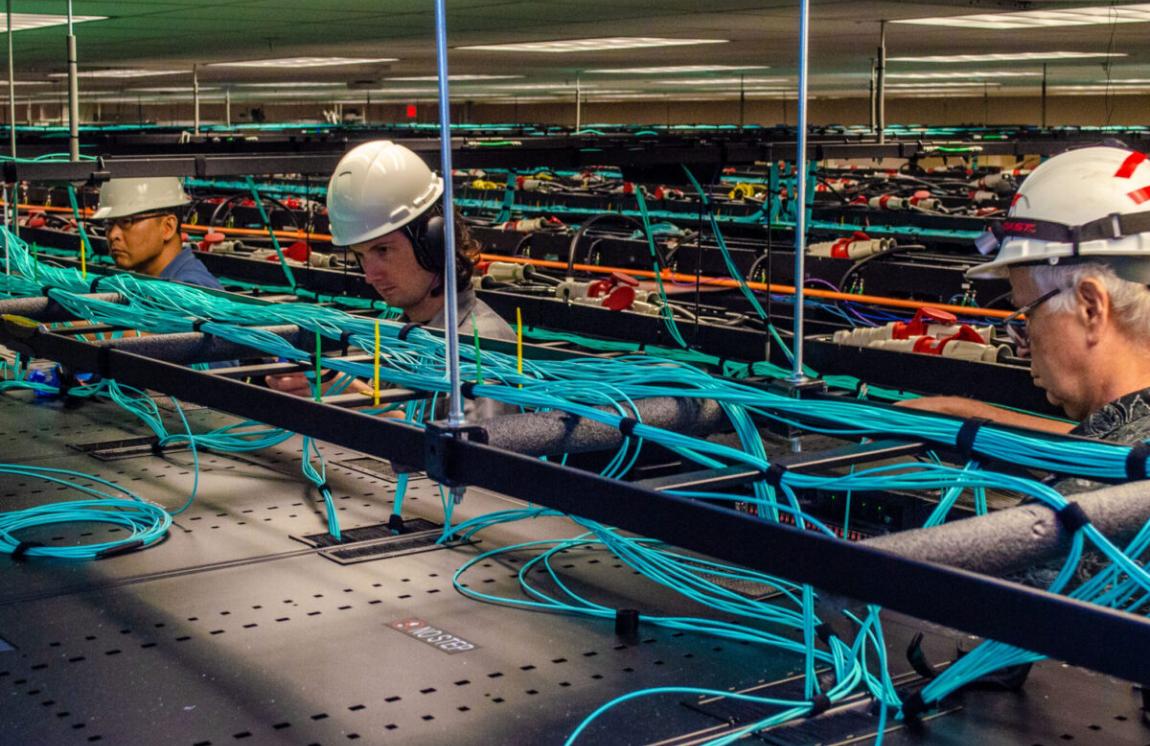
(127, 221)
(1017, 327)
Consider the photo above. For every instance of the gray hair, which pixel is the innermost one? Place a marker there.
(1129, 300)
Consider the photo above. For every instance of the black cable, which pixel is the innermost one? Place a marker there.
(583, 230)
(896, 249)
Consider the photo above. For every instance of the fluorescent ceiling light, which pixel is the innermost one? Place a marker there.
(561, 46)
(397, 91)
(290, 84)
(719, 81)
(124, 73)
(540, 86)
(5, 84)
(1099, 88)
(675, 69)
(170, 89)
(27, 21)
(1119, 81)
(306, 62)
(968, 74)
(1008, 57)
(1088, 16)
(971, 84)
(434, 78)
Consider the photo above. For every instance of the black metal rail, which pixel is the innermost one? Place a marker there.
(1076, 632)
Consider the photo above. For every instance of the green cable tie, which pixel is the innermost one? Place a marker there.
(478, 351)
(318, 367)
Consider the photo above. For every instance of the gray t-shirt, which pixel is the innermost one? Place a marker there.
(491, 326)
(1125, 420)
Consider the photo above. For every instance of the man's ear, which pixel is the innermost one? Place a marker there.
(170, 227)
(1094, 308)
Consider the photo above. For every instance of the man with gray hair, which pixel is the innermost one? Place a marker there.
(1076, 247)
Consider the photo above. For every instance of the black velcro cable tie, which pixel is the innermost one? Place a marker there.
(824, 632)
(1136, 461)
(626, 622)
(102, 363)
(47, 289)
(22, 549)
(95, 286)
(917, 658)
(127, 546)
(323, 487)
(198, 324)
(1072, 517)
(819, 704)
(627, 426)
(774, 474)
(964, 441)
(914, 705)
(402, 336)
(467, 388)
(345, 341)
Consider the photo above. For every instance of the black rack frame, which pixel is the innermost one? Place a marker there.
(1064, 628)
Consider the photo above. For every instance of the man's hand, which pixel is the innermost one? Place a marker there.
(959, 406)
(300, 385)
(291, 383)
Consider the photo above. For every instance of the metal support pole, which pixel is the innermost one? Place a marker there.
(196, 99)
(801, 190)
(367, 108)
(578, 104)
(451, 292)
(871, 97)
(73, 94)
(880, 84)
(742, 101)
(228, 107)
(1044, 95)
(12, 85)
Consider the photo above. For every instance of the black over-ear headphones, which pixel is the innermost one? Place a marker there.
(427, 241)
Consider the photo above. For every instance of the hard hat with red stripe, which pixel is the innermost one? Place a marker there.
(1091, 204)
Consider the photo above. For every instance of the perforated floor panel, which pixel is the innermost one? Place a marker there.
(231, 631)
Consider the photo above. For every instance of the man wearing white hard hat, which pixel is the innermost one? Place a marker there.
(1076, 247)
(142, 227)
(384, 204)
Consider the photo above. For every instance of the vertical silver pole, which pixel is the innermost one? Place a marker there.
(1044, 95)
(73, 94)
(880, 83)
(742, 101)
(195, 99)
(801, 191)
(367, 107)
(451, 292)
(871, 94)
(7, 251)
(578, 104)
(12, 85)
(228, 107)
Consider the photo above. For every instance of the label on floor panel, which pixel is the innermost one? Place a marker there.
(435, 637)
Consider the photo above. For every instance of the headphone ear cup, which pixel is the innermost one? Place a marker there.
(433, 242)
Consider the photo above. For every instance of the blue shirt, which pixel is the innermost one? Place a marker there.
(186, 267)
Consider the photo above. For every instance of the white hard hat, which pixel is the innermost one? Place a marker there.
(120, 197)
(378, 187)
(1092, 203)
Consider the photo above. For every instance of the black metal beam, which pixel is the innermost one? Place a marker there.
(1073, 631)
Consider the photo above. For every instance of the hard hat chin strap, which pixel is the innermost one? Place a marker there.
(1112, 226)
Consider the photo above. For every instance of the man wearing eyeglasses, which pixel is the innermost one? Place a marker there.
(1076, 247)
(142, 226)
